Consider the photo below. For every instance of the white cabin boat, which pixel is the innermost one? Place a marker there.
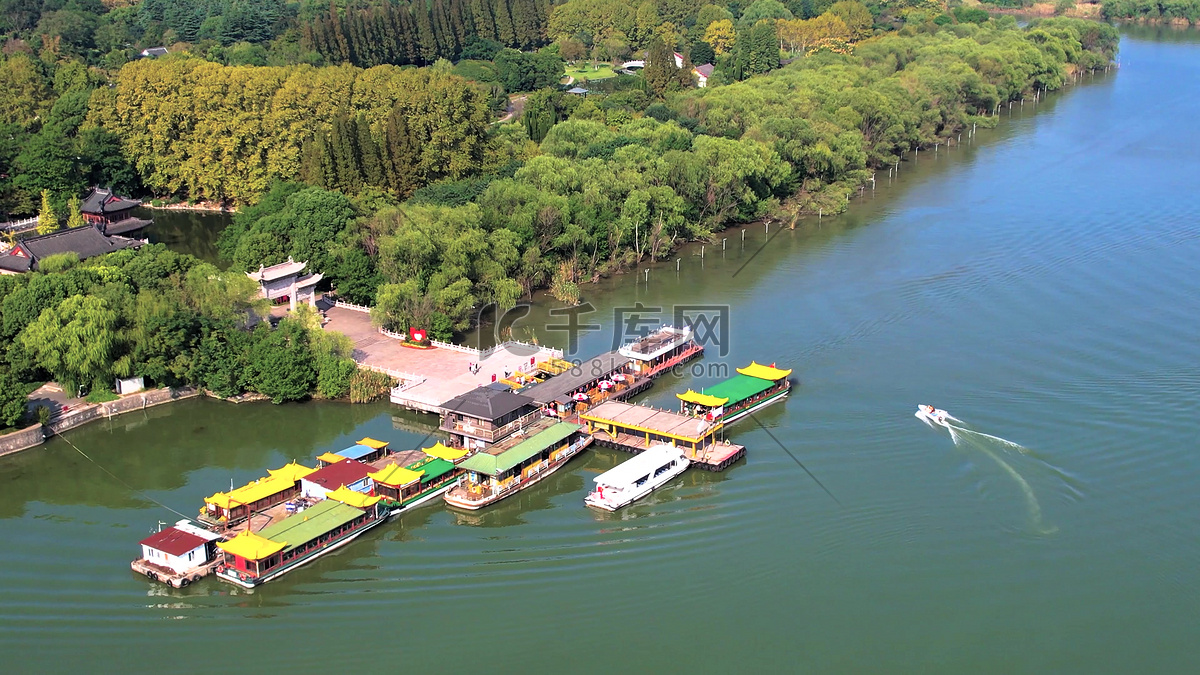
(630, 481)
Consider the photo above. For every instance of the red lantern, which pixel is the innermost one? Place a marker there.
(417, 334)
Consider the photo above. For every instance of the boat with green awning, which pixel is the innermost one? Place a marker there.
(753, 388)
(517, 462)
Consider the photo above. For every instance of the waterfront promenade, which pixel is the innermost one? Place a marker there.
(430, 377)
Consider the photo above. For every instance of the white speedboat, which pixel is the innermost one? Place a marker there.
(932, 415)
(637, 477)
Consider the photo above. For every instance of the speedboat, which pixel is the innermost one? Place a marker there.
(932, 415)
(637, 477)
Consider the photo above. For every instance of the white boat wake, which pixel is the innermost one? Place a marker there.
(978, 440)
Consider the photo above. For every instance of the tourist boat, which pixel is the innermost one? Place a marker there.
(754, 387)
(661, 350)
(931, 415)
(637, 477)
(254, 558)
(515, 463)
(178, 555)
(405, 487)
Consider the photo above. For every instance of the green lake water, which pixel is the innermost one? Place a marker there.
(1040, 284)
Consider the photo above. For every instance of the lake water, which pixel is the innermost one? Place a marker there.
(1041, 284)
(193, 232)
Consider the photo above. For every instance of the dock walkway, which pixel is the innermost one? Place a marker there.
(430, 377)
(634, 428)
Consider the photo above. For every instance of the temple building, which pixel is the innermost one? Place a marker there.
(111, 214)
(286, 282)
(86, 242)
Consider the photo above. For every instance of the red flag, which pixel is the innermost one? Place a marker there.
(417, 334)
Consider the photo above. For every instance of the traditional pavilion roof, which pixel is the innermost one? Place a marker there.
(443, 452)
(739, 388)
(292, 472)
(706, 70)
(253, 546)
(765, 372)
(283, 269)
(354, 452)
(303, 527)
(491, 465)
(330, 457)
(85, 241)
(353, 498)
(102, 201)
(432, 467)
(345, 472)
(487, 404)
(173, 541)
(252, 492)
(395, 475)
(701, 399)
(372, 443)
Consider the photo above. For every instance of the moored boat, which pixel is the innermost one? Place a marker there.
(178, 555)
(754, 387)
(637, 477)
(661, 350)
(254, 558)
(517, 462)
(406, 487)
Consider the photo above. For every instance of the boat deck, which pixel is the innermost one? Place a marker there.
(169, 576)
(717, 456)
(401, 458)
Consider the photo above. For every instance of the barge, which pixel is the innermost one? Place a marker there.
(635, 428)
(754, 387)
(179, 555)
(254, 558)
(404, 487)
(517, 462)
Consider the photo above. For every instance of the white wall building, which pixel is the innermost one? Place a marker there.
(286, 281)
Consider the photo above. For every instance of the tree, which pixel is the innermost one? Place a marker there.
(760, 10)
(711, 13)
(702, 53)
(281, 362)
(12, 399)
(47, 219)
(661, 73)
(540, 114)
(75, 341)
(75, 216)
(720, 36)
(856, 16)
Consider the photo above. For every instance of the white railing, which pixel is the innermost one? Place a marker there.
(16, 225)
(458, 348)
(350, 305)
(398, 374)
(557, 353)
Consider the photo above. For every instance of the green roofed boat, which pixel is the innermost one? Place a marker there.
(516, 463)
(409, 486)
(754, 387)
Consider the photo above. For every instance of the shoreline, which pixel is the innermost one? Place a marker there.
(203, 207)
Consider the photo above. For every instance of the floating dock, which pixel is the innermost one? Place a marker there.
(634, 428)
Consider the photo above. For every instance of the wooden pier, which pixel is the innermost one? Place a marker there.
(634, 428)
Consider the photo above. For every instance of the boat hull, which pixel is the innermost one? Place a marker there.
(734, 416)
(275, 574)
(475, 505)
(428, 496)
(627, 499)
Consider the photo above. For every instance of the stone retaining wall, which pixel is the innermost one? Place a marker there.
(17, 441)
(33, 436)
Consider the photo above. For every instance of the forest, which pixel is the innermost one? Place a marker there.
(398, 185)
(1166, 11)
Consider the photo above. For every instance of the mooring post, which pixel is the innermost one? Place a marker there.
(701, 250)
(722, 243)
(677, 264)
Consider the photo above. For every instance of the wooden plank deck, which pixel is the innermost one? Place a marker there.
(717, 456)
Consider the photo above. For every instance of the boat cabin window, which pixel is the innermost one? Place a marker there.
(663, 469)
(641, 481)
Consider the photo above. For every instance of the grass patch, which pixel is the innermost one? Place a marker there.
(584, 71)
(101, 396)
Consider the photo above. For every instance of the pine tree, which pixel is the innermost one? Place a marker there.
(505, 33)
(403, 154)
(368, 153)
(75, 216)
(47, 219)
(660, 72)
(342, 141)
(427, 44)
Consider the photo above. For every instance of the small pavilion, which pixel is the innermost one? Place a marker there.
(286, 281)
